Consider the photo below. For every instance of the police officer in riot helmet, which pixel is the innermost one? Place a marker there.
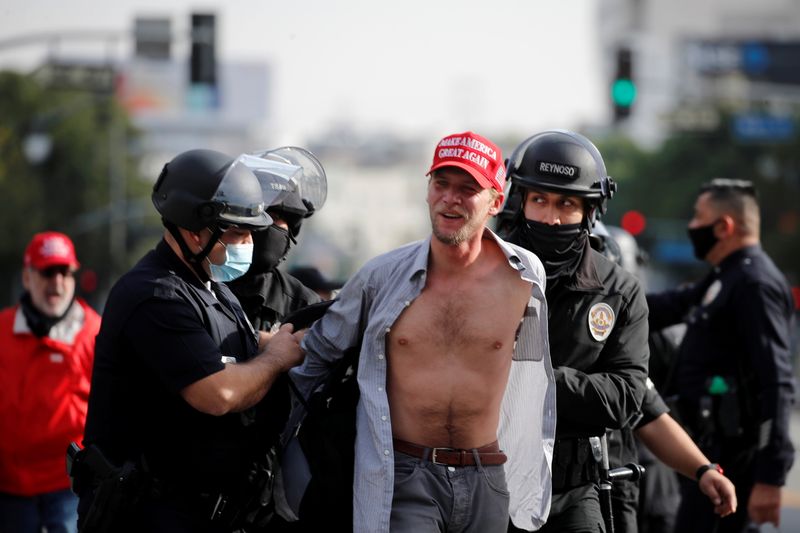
(597, 312)
(174, 438)
(294, 187)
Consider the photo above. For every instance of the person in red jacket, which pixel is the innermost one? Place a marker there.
(46, 353)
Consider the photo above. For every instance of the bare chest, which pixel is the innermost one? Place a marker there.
(460, 321)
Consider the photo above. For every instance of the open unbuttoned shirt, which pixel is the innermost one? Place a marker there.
(367, 308)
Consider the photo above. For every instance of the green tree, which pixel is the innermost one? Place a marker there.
(68, 188)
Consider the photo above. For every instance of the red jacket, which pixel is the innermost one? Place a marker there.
(44, 391)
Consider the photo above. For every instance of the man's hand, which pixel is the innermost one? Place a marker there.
(720, 491)
(284, 347)
(765, 504)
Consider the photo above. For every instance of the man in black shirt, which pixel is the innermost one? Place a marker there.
(179, 372)
(733, 378)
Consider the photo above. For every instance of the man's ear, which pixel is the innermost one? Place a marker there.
(497, 204)
(725, 227)
(191, 237)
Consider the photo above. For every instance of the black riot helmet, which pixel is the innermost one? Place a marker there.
(202, 189)
(205, 189)
(563, 162)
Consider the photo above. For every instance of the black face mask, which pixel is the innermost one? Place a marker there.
(560, 247)
(270, 248)
(38, 322)
(703, 240)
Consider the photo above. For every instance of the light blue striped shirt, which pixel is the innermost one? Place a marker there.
(379, 293)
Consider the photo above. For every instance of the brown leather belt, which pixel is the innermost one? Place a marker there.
(489, 455)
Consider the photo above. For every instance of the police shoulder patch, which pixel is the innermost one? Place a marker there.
(601, 321)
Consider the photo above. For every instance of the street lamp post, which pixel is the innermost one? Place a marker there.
(117, 209)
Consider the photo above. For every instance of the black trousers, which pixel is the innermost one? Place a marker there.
(574, 511)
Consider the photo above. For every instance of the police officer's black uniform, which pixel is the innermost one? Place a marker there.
(164, 329)
(734, 365)
(597, 323)
(599, 384)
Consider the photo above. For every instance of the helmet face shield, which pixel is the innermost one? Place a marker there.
(277, 179)
(237, 200)
(302, 169)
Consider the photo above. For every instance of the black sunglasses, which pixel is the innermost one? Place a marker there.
(52, 271)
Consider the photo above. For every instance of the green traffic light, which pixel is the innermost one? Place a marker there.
(623, 92)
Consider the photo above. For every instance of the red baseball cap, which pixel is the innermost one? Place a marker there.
(50, 248)
(476, 154)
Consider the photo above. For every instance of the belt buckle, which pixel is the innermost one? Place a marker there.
(434, 451)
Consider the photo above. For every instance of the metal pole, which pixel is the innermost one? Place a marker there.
(604, 487)
(117, 215)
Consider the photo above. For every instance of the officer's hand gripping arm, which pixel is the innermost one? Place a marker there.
(239, 386)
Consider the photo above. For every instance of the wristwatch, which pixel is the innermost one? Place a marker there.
(702, 470)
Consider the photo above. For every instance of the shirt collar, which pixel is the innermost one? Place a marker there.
(174, 263)
(736, 256)
(517, 261)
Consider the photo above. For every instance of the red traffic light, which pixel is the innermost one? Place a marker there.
(633, 222)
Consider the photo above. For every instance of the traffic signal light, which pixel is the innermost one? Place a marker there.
(202, 66)
(623, 88)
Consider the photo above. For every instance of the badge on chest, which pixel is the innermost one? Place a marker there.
(601, 321)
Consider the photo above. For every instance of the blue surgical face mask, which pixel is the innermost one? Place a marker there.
(238, 258)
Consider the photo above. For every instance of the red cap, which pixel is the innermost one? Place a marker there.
(476, 154)
(50, 249)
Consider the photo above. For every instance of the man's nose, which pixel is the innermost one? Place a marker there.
(553, 217)
(57, 279)
(451, 196)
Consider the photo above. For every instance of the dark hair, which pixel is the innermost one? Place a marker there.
(737, 198)
(722, 186)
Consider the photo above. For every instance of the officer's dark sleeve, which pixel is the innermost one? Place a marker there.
(764, 312)
(653, 406)
(670, 307)
(170, 339)
(611, 395)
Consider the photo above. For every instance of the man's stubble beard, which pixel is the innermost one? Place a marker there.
(459, 236)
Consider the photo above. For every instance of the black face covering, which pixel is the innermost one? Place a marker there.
(703, 240)
(269, 248)
(38, 322)
(560, 247)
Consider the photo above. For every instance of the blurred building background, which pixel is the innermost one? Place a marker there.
(680, 93)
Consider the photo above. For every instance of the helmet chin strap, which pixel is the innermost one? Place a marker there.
(195, 260)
